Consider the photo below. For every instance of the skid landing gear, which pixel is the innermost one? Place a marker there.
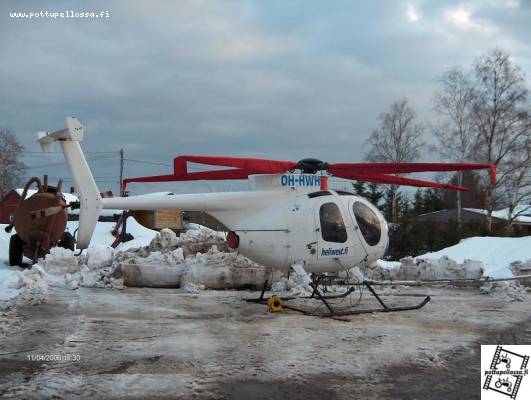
(331, 311)
(314, 295)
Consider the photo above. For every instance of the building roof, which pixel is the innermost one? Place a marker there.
(523, 218)
(524, 212)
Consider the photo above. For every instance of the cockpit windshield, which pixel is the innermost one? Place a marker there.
(332, 225)
(368, 222)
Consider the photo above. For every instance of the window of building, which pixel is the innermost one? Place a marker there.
(332, 225)
(368, 222)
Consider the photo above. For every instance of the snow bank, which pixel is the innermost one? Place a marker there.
(496, 253)
(496, 257)
(421, 269)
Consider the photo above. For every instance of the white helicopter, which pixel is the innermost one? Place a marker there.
(289, 218)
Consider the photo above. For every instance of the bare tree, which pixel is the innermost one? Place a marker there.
(397, 139)
(453, 102)
(501, 124)
(11, 167)
(517, 183)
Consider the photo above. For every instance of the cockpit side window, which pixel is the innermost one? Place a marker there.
(332, 225)
(368, 222)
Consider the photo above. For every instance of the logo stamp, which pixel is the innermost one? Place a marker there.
(505, 372)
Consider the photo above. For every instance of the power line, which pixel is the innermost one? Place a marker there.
(148, 162)
(60, 152)
(63, 162)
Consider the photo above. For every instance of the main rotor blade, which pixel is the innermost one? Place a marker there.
(256, 165)
(404, 168)
(193, 176)
(399, 180)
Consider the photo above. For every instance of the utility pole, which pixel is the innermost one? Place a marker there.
(121, 170)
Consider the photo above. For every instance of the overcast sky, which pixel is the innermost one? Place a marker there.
(275, 79)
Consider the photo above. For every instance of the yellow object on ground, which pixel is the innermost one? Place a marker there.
(274, 304)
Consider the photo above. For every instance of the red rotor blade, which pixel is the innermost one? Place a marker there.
(256, 165)
(340, 169)
(399, 180)
(193, 176)
(243, 167)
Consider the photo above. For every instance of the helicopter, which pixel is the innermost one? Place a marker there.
(289, 220)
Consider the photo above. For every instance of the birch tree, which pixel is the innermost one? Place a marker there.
(453, 103)
(11, 167)
(396, 139)
(501, 123)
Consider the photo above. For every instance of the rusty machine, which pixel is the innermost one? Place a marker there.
(40, 223)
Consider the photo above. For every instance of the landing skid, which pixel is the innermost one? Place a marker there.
(337, 313)
(263, 300)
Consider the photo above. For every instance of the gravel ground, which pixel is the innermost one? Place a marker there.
(163, 343)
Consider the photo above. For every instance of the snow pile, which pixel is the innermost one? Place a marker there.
(9, 284)
(522, 268)
(99, 256)
(220, 270)
(60, 261)
(496, 253)
(167, 262)
(33, 285)
(28, 286)
(62, 267)
(195, 239)
(420, 269)
(498, 257)
(506, 290)
(294, 286)
(192, 288)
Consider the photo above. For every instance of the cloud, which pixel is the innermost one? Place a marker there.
(279, 79)
(412, 13)
(461, 18)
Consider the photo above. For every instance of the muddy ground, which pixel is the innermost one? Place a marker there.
(163, 343)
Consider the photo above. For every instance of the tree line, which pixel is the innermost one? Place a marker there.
(483, 115)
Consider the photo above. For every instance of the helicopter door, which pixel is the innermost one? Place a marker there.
(334, 235)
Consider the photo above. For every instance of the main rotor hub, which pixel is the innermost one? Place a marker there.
(311, 165)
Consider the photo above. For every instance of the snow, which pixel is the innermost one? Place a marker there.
(498, 257)
(102, 234)
(61, 266)
(496, 253)
(9, 278)
(423, 269)
(99, 256)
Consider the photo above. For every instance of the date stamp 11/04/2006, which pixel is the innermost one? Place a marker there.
(53, 357)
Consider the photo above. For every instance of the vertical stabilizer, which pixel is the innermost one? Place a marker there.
(89, 195)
